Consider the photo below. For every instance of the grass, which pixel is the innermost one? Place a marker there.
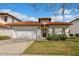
(68, 47)
(4, 37)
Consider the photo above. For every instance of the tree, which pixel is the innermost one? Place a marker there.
(63, 9)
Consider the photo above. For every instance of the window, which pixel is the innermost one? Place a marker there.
(58, 30)
(5, 18)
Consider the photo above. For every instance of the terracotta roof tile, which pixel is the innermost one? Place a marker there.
(59, 23)
(28, 23)
(31, 23)
(3, 25)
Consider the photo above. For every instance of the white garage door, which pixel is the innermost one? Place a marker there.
(26, 34)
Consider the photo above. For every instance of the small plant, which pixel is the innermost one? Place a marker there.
(56, 37)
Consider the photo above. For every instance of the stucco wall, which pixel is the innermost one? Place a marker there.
(6, 32)
(74, 29)
(27, 32)
(58, 30)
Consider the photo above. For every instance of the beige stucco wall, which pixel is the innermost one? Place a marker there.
(6, 32)
(74, 29)
(27, 32)
(58, 29)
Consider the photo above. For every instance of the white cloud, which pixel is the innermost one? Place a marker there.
(67, 11)
(18, 15)
(67, 18)
(68, 15)
(56, 18)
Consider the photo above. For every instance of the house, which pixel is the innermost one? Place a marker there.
(15, 28)
(74, 29)
(7, 18)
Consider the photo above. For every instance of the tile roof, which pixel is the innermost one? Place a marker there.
(31, 23)
(28, 23)
(59, 23)
(3, 25)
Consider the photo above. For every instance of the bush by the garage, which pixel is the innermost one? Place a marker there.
(56, 37)
(4, 37)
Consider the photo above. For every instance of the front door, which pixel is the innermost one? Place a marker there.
(44, 31)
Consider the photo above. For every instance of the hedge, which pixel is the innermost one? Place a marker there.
(57, 37)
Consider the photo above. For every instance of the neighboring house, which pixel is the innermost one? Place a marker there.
(74, 29)
(16, 28)
(7, 18)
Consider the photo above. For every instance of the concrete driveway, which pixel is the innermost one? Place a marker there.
(10, 47)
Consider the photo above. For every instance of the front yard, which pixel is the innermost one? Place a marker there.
(68, 47)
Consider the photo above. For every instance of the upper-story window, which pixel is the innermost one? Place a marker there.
(5, 18)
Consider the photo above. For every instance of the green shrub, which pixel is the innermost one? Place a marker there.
(49, 37)
(63, 37)
(4, 37)
(56, 37)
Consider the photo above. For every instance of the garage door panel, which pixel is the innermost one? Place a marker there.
(26, 28)
(25, 31)
(26, 34)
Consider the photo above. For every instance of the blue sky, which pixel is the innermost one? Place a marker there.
(33, 11)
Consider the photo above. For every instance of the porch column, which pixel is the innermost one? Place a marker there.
(53, 30)
(63, 30)
(68, 32)
(36, 34)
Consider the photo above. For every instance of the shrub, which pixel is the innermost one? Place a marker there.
(71, 34)
(63, 37)
(77, 35)
(49, 37)
(4, 37)
(56, 37)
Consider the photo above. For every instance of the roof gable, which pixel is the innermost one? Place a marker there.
(75, 20)
(10, 16)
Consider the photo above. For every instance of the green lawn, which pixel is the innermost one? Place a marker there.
(68, 47)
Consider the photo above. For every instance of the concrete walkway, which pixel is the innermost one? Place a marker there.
(9, 47)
